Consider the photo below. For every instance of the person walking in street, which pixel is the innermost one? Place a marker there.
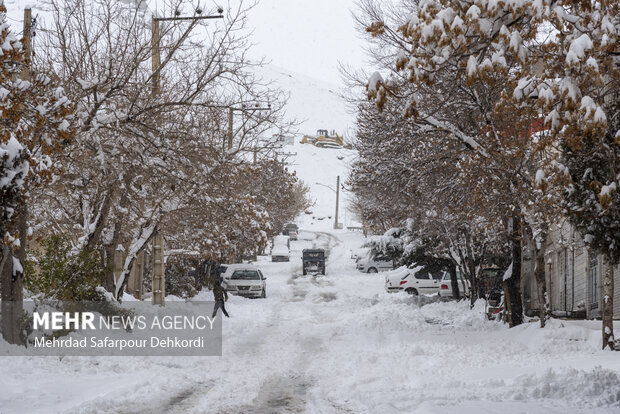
(221, 296)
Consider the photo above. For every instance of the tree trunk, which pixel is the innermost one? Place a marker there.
(110, 255)
(608, 306)
(102, 216)
(513, 283)
(455, 283)
(469, 262)
(12, 282)
(539, 274)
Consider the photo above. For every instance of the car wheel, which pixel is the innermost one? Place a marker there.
(263, 294)
(304, 272)
(412, 291)
(372, 270)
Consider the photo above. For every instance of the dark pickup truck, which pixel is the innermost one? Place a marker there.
(313, 261)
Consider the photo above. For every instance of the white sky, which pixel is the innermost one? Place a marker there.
(304, 36)
(307, 36)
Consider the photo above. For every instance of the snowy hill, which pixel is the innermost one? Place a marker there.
(319, 169)
(317, 104)
(313, 102)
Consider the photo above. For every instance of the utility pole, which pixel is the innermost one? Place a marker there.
(156, 37)
(27, 44)
(159, 270)
(243, 109)
(230, 127)
(155, 57)
(337, 199)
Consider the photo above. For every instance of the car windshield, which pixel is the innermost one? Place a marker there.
(313, 255)
(245, 275)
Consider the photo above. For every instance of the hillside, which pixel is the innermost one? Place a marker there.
(313, 102)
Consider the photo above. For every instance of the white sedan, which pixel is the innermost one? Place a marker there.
(396, 279)
(280, 253)
(415, 280)
(445, 290)
(245, 280)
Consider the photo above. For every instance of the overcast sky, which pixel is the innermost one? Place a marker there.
(304, 36)
(307, 36)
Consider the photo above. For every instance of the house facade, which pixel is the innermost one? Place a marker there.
(573, 277)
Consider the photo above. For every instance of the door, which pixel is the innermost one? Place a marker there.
(386, 264)
(423, 282)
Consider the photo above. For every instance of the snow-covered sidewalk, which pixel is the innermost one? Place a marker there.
(337, 343)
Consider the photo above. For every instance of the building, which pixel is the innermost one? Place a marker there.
(573, 275)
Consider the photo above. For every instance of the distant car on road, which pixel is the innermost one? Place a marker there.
(280, 251)
(291, 230)
(245, 280)
(374, 264)
(445, 290)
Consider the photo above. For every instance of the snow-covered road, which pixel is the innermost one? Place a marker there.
(337, 344)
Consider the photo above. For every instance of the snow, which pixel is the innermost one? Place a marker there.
(314, 103)
(608, 190)
(398, 273)
(540, 177)
(508, 273)
(374, 82)
(473, 12)
(472, 66)
(337, 343)
(599, 115)
(577, 49)
(14, 174)
(17, 266)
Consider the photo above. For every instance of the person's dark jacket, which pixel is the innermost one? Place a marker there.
(219, 293)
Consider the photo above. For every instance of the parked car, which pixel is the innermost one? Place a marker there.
(490, 287)
(282, 240)
(245, 280)
(280, 251)
(313, 260)
(374, 264)
(396, 279)
(291, 230)
(445, 290)
(415, 280)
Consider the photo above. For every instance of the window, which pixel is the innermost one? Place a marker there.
(422, 275)
(593, 283)
(439, 275)
(245, 275)
(563, 274)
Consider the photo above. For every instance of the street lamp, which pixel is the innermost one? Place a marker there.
(337, 191)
